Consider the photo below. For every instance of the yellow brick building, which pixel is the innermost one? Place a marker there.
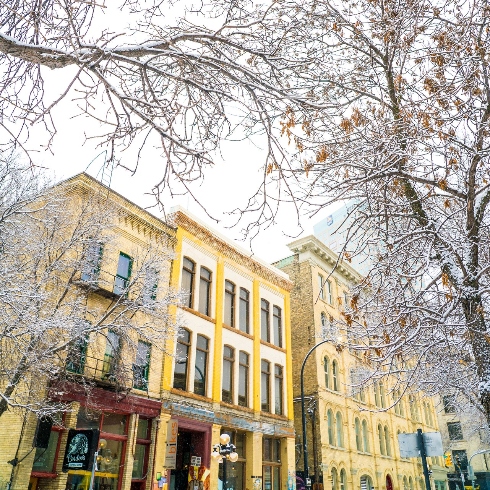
(232, 367)
(352, 433)
(112, 379)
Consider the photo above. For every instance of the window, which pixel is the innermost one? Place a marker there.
(340, 432)
(77, 355)
(329, 291)
(91, 265)
(265, 393)
(205, 292)
(455, 431)
(326, 370)
(410, 483)
(381, 438)
(323, 319)
(278, 389)
(182, 360)
(343, 479)
(201, 365)
(229, 304)
(448, 402)
(387, 441)
(365, 439)
(460, 459)
(357, 430)
(379, 394)
(111, 355)
(320, 286)
(123, 274)
(331, 433)
(243, 359)
(149, 291)
(45, 458)
(244, 311)
(405, 483)
(335, 479)
(141, 366)
(141, 453)
(414, 411)
(271, 466)
(265, 331)
(277, 325)
(228, 370)
(366, 483)
(188, 270)
(335, 376)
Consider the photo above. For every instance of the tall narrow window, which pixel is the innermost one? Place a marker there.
(229, 304)
(382, 394)
(271, 463)
(329, 291)
(335, 479)
(182, 360)
(111, 355)
(357, 430)
(335, 376)
(244, 311)
(243, 359)
(340, 432)
(141, 367)
(265, 386)
(376, 394)
(228, 370)
(278, 389)
(265, 331)
(321, 284)
(205, 291)
(200, 376)
(277, 323)
(323, 319)
(121, 281)
(381, 438)
(77, 355)
(387, 441)
(326, 370)
(91, 264)
(365, 439)
(330, 427)
(188, 270)
(343, 479)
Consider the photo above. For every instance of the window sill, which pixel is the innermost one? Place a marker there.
(236, 330)
(199, 314)
(273, 415)
(236, 407)
(188, 394)
(268, 344)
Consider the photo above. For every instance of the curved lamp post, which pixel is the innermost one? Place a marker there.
(303, 414)
(223, 452)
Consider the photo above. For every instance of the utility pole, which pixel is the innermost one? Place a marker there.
(423, 455)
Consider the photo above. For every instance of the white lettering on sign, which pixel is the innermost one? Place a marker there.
(171, 450)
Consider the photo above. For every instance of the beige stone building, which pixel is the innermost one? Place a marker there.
(352, 433)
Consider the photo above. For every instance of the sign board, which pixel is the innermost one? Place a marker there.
(171, 448)
(80, 449)
(409, 447)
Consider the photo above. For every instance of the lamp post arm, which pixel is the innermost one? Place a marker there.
(303, 414)
(483, 451)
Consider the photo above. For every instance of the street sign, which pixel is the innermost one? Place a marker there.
(409, 447)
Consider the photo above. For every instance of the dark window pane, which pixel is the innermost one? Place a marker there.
(44, 458)
(141, 367)
(123, 273)
(205, 291)
(265, 333)
(139, 462)
(229, 317)
(188, 281)
(277, 326)
(265, 395)
(181, 361)
(243, 380)
(244, 312)
(201, 365)
(455, 431)
(278, 392)
(448, 402)
(143, 429)
(227, 385)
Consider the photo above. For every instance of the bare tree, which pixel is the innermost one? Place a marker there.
(403, 135)
(183, 88)
(55, 245)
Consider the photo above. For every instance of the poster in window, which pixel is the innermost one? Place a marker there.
(80, 449)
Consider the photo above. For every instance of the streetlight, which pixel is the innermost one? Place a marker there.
(303, 415)
(223, 452)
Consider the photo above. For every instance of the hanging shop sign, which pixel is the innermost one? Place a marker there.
(80, 449)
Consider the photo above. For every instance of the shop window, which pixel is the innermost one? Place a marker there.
(229, 317)
(45, 459)
(141, 452)
(202, 353)
(182, 359)
(124, 266)
(265, 331)
(278, 390)
(141, 366)
(243, 374)
(244, 311)
(277, 325)
(228, 374)
(205, 292)
(265, 386)
(271, 463)
(188, 271)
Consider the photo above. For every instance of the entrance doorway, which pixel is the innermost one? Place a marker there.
(389, 483)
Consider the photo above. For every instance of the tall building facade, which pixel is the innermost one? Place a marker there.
(231, 368)
(351, 432)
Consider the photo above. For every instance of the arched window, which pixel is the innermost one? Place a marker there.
(357, 429)
(323, 319)
(366, 482)
(382, 395)
(335, 376)
(365, 438)
(405, 483)
(381, 438)
(335, 479)
(410, 483)
(326, 369)
(387, 441)
(331, 433)
(338, 424)
(343, 480)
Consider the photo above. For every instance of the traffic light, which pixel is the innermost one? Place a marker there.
(448, 460)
